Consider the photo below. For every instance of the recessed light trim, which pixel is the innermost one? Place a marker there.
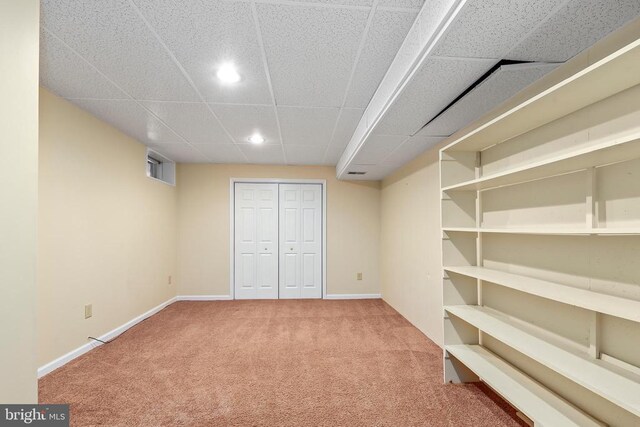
(256, 138)
(228, 74)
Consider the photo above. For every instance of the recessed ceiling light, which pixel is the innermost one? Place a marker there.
(227, 73)
(256, 138)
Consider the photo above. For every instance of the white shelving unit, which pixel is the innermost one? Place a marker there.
(541, 242)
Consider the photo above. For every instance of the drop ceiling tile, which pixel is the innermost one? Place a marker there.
(411, 149)
(222, 153)
(438, 82)
(208, 34)
(66, 74)
(415, 4)
(576, 26)
(361, 3)
(193, 121)
(304, 154)
(113, 37)
(181, 153)
(386, 34)
(490, 28)
(310, 51)
(130, 118)
(242, 121)
(497, 88)
(376, 148)
(347, 123)
(263, 154)
(307, 126)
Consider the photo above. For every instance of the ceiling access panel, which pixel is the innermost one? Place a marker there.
(501, 85)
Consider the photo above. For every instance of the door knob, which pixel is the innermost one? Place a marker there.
(290, 248)
(265, 249)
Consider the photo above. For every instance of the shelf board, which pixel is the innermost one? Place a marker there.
(527, 395)
(602, 303)
(606, 77)
(554, 231)
(604, 153)
(589, 373)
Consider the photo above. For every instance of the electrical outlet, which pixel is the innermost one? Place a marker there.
(359, 276)
(88, 311)
(169, 279)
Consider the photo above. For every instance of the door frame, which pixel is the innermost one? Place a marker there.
(232, 228)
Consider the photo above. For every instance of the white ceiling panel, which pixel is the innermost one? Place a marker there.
(222, 153)
(242, 121)
(307, 126)
(361, 3)
(576, 26)
(415, 4)
(411, 149)
(438, 82)
(388, 30)
(347, 122)
(68, 75)
(497, 88)
(112, 37)
(193, 121)
(310, 51)
(377, 148)
(181, 153)
(304, 154)
(263, 154)
(131, 119)
(211, 34)
(490, 28)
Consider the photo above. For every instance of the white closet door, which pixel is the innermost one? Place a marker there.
(300, 241)
(256, 241)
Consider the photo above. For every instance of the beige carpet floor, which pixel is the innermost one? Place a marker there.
(270, 363)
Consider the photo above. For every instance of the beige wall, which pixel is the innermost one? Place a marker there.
(410, 259)
(107, 233)
(19, 32)
(353, 227)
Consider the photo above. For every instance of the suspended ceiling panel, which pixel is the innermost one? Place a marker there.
(388, 30)
(310, 51)
(427, 93)
(209, 33)
(421, 85)
(194, 121)
(160, 58)
(490, 28)
(501, 85)
(575, 26)
(346, 125)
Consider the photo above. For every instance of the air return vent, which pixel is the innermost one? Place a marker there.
(355, 173)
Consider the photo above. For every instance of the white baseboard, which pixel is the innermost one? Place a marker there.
(352, 296)
(204, 298)
(60, 361)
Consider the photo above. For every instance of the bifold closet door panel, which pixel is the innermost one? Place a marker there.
(256, 241)
(300, 241)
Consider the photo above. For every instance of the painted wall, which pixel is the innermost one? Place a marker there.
(19, 40)
(107, 233)
(410, 260)
(353, 227)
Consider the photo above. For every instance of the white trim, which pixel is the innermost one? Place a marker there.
(63, 360)
(204, 297)
(232, 181)
(353, 296)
